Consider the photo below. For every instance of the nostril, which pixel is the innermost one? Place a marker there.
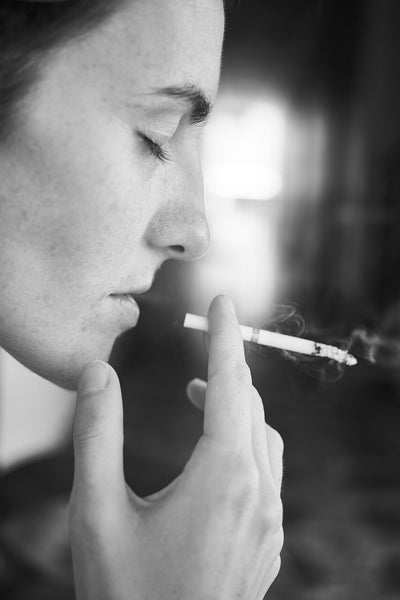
(178, 249)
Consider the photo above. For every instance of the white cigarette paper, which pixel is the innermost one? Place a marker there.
(279, 340)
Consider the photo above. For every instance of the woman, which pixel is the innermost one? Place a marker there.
(101, 120)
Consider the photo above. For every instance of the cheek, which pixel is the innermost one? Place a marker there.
(67, 237)
(86, 194)
(89, 214)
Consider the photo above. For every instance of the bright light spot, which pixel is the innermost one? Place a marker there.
(241, 262)
(243, 150)
(252, 182)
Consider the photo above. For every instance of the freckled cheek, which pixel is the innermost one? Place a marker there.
(92, 251)
(97, 218)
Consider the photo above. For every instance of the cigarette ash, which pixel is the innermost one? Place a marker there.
(285, 319)
(376, 341)
(334, 353)
(326, 364)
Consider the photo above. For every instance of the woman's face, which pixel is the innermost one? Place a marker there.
(102, 182)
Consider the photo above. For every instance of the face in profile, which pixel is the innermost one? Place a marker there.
(101, 182)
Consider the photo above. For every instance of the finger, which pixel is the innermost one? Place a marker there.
(260, 442)
(196, 392)
(267, 443)
(275, 453)
(268, 579)
(227, 413)
(206, 341)
(98, 431)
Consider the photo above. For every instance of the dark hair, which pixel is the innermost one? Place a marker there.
(28, 32)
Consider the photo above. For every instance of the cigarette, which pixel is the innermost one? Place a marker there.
(279, 340)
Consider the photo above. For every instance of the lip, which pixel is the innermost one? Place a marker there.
(133, 292)
(127, 307)
(124, 296)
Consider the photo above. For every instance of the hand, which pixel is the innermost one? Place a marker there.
(215, 533)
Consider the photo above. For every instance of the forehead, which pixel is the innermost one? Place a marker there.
(152, 44)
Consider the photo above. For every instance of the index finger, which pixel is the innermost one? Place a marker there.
(227, 411)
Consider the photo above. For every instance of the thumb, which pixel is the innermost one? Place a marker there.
(98, 430)
(196, 392)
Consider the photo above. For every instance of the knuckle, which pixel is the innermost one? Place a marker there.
(90, 439)
(245, 468)
(234, 369)
(269, 531)
(279, 541)
(80, 520)
(79, 512)
(243, 487)
(271, 516)
(276, 439)
(276, 567)
(241, 372)
(83, 438)
(95, 522)
(259, 404)
(242, 499)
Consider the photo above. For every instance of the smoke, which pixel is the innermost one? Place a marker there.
(286, 319)
(379, 344)
(376, 345)
(376, 348)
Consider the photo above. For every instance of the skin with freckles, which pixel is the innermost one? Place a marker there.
(99, 185)
(101, 181)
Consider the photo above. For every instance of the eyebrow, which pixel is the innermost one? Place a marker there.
(200, 105)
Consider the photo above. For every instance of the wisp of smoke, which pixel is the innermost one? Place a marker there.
(371, 346)
(286, 319)
(376, 348)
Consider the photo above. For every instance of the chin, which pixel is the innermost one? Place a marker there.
(62, 368)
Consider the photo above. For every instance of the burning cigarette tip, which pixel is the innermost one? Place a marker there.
(279, 340)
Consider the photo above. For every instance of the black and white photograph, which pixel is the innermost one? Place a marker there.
(199, 300)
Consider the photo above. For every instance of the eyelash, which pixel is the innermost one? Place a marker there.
(155, 149)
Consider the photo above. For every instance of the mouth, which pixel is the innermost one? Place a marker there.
(126, 303)
(130, 295)
(124, 296)
(127, 309)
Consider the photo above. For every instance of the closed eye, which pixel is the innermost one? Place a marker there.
(155, 149)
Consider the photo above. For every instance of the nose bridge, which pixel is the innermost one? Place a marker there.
(180, 226)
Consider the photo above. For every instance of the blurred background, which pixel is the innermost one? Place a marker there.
(301, 167)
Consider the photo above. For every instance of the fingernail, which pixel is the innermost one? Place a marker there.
(94, 377)
(229, 304)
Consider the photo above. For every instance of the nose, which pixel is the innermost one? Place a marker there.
(182, 234)
(179, 227)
